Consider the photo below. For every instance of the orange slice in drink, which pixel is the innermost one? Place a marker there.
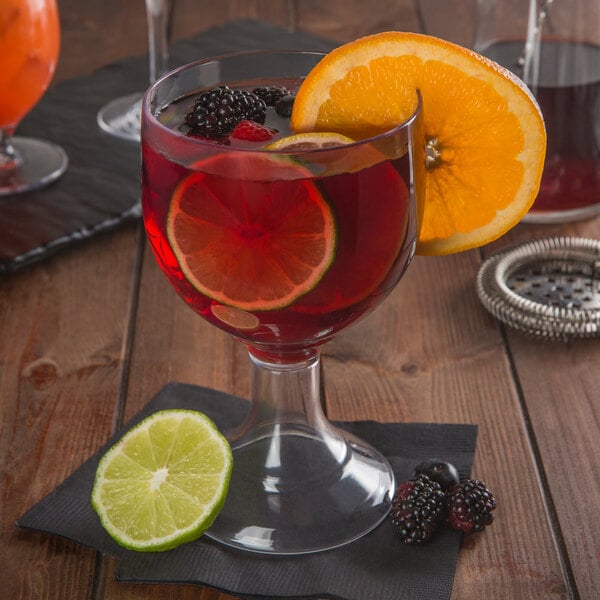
(484, 133)
(251, 231)
(234, 317)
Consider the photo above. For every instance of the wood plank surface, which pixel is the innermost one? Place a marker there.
(438, 357)
(177, 346)
(114, 28)
(88, 336)
(560, 388)
(63, 325)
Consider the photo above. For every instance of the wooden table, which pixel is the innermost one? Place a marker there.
(88, 336)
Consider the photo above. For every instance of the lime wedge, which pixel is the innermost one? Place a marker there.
(164, 482)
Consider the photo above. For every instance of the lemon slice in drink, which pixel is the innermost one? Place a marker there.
(164, 482)
(337, 159)
(309, 141)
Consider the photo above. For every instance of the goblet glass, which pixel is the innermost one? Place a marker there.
(282, 249)
(121, 116)
(29, 46)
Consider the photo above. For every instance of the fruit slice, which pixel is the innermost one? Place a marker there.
(257, 240)
(234, 317)
(483, 130)
(309, 141)
(164, 482)
(338, 158)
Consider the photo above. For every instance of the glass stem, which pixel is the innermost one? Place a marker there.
(158, 13)
(529, 61)
(286, 400)
(9, 158)
(298, 483)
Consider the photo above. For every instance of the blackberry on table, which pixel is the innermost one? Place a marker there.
(217, 111)
(417, 510)
(470, 504)
(270, 94)
(445, 473)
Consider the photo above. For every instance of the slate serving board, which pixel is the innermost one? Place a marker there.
(101, 188)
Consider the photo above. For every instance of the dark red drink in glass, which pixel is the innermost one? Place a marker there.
(566, 83)
(369, 226)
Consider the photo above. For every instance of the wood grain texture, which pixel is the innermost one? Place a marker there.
(190, 16)
(338, 20)
(431, 353)
(115, 29)
(108, 30)
(454, 20)
(561, 402)
(177, 346)
(63, 326)
(83, 346)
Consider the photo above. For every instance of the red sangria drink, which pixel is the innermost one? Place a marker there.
(565, 79)
(281, 250)
(283, 240)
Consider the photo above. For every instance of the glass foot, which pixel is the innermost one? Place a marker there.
(562, 216)
(296, 494)
(40, 163)
(121, 117)
(299, 484)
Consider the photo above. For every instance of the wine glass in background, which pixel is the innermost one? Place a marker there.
(282, 248)
(554, 46)
(29, 48)
(121, 116)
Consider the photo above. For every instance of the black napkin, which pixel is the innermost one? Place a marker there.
(376, 567)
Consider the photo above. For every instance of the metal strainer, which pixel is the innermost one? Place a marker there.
(547, 288)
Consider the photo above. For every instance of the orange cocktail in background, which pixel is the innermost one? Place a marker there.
(29, 46)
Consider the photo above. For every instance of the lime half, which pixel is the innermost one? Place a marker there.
(164, 482)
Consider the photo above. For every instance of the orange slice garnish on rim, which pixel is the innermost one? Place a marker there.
(484, 132)
(251, 231)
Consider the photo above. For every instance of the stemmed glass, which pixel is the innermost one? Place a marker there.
(29, 47)
(555, 48)
(283, 249)
(121, 116)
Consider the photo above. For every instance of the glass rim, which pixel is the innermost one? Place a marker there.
(208, 144)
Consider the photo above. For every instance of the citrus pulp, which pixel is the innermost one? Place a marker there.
(251, 231)
(483, 130)
(164, 482)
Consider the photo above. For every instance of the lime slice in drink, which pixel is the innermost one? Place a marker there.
(164, 482)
